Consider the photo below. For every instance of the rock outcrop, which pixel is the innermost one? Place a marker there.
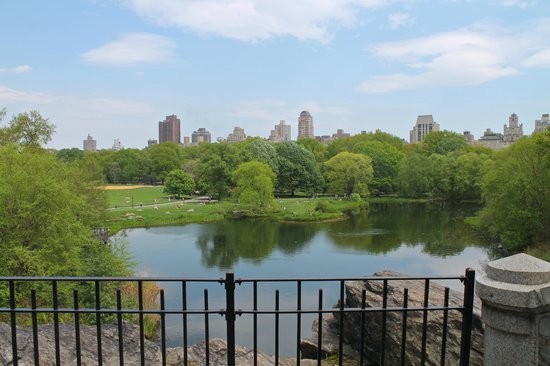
(373, 325)
(110, 353)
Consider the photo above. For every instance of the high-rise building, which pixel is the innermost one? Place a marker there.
(514, 130)
(117, 145)
(201, 135)
(237, 135)
(152, 142)
(89, 144)
(305, 125)
(542, 124)
(340, 134)
(424, 125)
(169, 130)
(280, 133)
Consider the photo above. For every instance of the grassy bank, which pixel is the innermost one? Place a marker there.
(152, 208)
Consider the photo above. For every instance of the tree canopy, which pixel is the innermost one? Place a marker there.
(348, 173)
(179, 183)
(254, 184)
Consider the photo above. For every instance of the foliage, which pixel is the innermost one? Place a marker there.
(254, 184)
(217, 163)
(317, 149)
(413, 179)
(385, 162)
(164, 158)
(443, 142)
(262, 151)
(516, 193)
(298, 169)
(26, 129)
(348, 173)
(179, 183)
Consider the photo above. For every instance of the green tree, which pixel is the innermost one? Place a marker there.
(26, 129)
(260, 150)
(516, 193)
(298, 170)
(443, 142)
(385, 162)
(164, 158)
(348, 173)
(217, 163)
(317, 149)
(179, 183)
(254, 184)
(72, 154)
(414, 176)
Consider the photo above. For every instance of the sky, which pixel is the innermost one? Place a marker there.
(115, 68)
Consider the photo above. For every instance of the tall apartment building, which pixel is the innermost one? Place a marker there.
(117, 145)
(169, 130)
(305, 125)
(89, 144)
(237, 135)
(424, 125)
(201, 135)
(280, 133)
(340, 134)
(514, 130)
(542, 123)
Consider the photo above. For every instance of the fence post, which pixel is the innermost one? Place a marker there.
(230, 316)
(467, 317)
(515, 295)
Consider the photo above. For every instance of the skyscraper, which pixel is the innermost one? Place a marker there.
(89, 144)
(280, 133)
(237, 135)
(169, 130)
(201, 135)
(424, 125)
(305, 125)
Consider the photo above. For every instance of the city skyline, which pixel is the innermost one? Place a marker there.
(356, 65)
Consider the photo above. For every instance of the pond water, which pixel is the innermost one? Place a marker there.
(414, 239)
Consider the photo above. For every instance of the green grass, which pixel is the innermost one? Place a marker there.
(143, 196)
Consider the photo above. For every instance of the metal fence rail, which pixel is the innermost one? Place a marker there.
(101, 301)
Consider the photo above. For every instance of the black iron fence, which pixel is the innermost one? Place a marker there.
(27, 302)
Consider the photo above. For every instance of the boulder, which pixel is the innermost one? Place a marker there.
(373, 324)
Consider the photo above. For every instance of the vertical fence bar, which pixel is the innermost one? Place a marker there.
(320, 328)
(341, 325)
(184, 309)
(362, 337)
(255, 321)
(444, 333)
(77, 328)
(276, 327)
(404, 326)
(120, 330)
(207, 330)
(425, 321)
(384, 321)
(13, 322)
(56, 323)
(98, 322)
(140, 317)
(162, 328)
(467, 317)
(34, 328)
(230, 316)
(298, 320)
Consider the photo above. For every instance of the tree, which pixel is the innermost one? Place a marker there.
(48, 209)
(179, 183)
(254, 184)
(348, 173)
(385, 162)
(516, 193)
(164, 158)
(261, 150)
(317, 149)
(413, 179)
(443, 142)
(217, 163)
(26, 129)
(298, 169)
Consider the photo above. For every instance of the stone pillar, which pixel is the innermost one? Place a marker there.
(515, 293)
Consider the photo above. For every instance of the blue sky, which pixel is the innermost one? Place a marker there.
(114, 68)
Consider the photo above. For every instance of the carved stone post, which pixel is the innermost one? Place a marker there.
(515, 292)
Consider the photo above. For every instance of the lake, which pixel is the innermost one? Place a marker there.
(414, 239)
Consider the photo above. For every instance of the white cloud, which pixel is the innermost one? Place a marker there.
(17, 70)
(12, 95)
(468, 56)
(132, 48)
(255, 20)
(522, 4)
(399, 20)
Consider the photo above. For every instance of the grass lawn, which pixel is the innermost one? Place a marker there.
(123, 196)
